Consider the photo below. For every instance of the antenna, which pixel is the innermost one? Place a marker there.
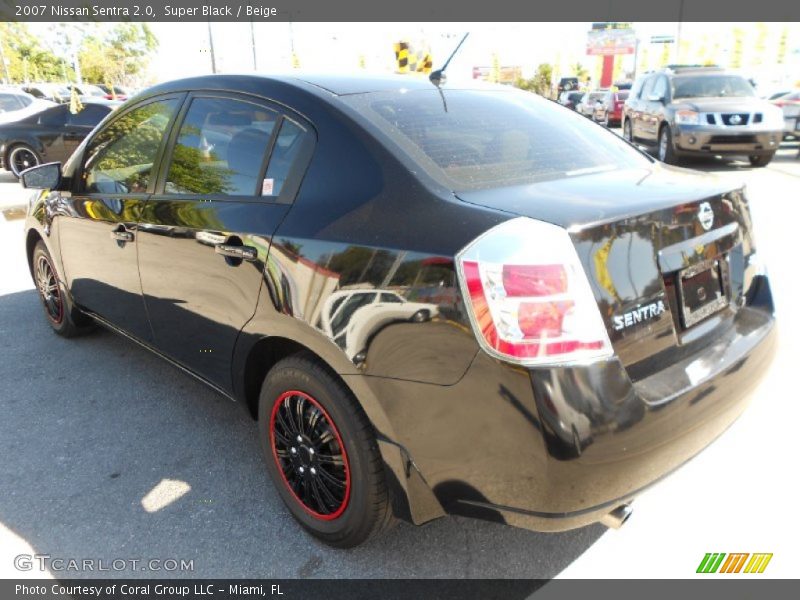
(437, 77)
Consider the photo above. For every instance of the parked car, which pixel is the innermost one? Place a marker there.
(87, 90)
(50, 135)
(114, 92)
(16, 105)
(376, 309)
(570, 99)
(608, 110)
(687, 111)
(586, 104)
(568, 84)
(608, 316)
(790, 105)
(55, 92)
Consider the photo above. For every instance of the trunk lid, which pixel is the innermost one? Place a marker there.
(636, 231)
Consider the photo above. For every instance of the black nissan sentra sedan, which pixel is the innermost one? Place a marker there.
(462, 301)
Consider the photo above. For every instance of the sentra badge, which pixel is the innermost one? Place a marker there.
(638, 315)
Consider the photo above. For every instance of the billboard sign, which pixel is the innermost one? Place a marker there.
(605, 42)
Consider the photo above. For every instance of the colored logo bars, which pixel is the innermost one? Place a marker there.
(718, 563)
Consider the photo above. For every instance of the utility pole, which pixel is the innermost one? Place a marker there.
(211, 48)
(4, 60)
(253, 44)
(678, 37)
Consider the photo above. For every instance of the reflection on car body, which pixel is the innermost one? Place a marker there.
(352, 317)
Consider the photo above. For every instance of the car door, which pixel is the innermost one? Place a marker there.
(655, 99)
(98, 231)
(49, 131)
(641, 127)
(206, 233)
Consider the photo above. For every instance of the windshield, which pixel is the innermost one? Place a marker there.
(487, 139)
(712, 86)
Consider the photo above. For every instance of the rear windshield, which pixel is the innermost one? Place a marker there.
(622, 95)
(469, 140)
(711, 86)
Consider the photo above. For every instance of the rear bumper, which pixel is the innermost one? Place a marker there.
(703, 140)
(555, 449)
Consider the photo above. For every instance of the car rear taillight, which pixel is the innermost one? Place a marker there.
(528, 298)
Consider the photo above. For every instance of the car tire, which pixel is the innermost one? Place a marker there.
(64, 318)
(666, 151)
(21, 157)
(760, 160)
(421, 316)
(627, 133)
(306, 413)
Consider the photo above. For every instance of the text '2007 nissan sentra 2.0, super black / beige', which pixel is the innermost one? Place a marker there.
(466, 300)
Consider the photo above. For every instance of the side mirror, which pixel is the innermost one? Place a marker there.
(42, 177)
(655, 98)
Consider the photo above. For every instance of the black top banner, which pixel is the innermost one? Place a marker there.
(407, 10)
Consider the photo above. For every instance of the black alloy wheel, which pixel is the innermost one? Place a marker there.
(309, 451)
(47, 285)
(322, 454)
(62, 316)
(21, 158)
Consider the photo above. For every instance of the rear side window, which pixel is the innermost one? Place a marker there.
(55, 117)
(288, 147)
(119, 159)
(90, 116)
(221, 148)
(9, 102)
(470, 139)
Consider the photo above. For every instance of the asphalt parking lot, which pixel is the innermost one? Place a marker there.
(110, 453)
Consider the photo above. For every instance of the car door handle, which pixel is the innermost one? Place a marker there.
(121, 235)
(242, 252)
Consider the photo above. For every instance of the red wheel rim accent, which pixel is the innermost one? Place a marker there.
(283, 466)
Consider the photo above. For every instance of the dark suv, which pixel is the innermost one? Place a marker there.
(684, 111)
(434, 301)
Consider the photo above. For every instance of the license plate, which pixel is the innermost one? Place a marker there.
(701, 289)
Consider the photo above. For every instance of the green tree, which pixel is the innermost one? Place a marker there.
(27, 59)
(541, 83)
(120, 56)
(581, 72)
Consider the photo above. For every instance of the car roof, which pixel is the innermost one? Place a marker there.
(338, 85)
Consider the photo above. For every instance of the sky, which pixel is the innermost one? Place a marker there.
(344, 47)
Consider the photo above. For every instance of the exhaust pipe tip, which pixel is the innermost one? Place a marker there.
(617, 517)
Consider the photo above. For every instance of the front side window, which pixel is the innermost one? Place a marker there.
(120, 158)
(221, 148)
(660, 87)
